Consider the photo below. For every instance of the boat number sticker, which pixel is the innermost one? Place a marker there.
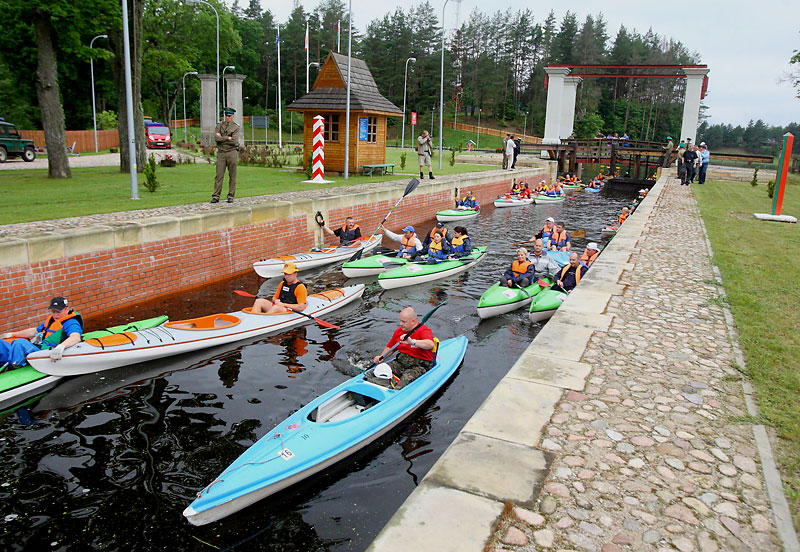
(562, 298)
(290, 427)
(510, 294)
(286, 454)
(413, 268)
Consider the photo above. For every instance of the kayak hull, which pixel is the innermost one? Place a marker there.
(607, 232)
(331, 427)
(370, 266)
(416, 273)
(184, 336)
(499, 299)
(593, 190)
(545, 304)
(452, 215)
(500, 203)
(271, 268)
(549, 199)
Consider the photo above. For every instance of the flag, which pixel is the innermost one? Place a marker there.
(338, 36)
(306, 36)
(278, 38)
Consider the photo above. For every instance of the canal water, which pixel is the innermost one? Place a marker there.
(110, 461)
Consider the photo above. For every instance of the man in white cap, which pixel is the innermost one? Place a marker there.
(546, 231)
(590, 254)
(410, 244)
(704, 158)
(292, 295)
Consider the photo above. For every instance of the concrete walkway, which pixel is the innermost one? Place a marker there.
(622, 427)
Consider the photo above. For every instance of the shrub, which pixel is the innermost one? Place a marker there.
(402, 161)
(309, 168)
(754, 182)
(771, 188)
(107, 120)
(452, 157)
(150, 178)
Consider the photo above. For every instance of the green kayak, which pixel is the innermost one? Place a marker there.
(370, 266)
(545, 304)
(500, 299)
(420, 272)
(19, 384)
(453, 215)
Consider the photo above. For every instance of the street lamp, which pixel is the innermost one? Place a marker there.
(441, 92)
(405, 79)
(185, 135)
(478, 144)
(91, 67)
(315, 64)
(524, 127)
(217, 16)
(224, 105)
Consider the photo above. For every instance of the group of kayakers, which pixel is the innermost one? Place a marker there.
(438, 245)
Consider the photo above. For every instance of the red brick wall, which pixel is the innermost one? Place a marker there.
(99, 282)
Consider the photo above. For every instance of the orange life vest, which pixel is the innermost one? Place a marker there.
(622, 218)
(556, 238)
(53, 332)
(407, 243)
(443, 230)
(589, 258)
(520, 268)
(577, 273)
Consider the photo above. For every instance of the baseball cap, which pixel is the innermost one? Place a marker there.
(408, 228)
(58, 303)
(440, 225)
(702, 143)
(669, 137)
(289, 268)
(593, 245)
(549, 219)
(383, 371)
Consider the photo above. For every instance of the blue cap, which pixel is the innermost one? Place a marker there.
(408, 228)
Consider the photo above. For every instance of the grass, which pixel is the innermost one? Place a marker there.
(29, 195)
(761, 274)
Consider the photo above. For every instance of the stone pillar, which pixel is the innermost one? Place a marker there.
(691, 102)
(555, 94)
(233, 97)
(208, 109)
(568, 106)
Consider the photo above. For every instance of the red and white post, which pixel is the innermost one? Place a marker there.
(318, 152)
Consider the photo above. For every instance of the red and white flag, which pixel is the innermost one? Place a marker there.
(306, 36)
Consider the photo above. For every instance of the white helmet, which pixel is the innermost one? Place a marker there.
(383, 371)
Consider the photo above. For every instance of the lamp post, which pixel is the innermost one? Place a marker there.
(314, 63)
(433, 118)
(185, 135)
(91, 68)
(524, 127)
(405, 79)
(347, 100)
(477, 145)
(441, 92)
(217, 16)
(126, 52)
(266, 100)
(223, 80)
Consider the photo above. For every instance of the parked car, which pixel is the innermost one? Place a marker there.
(13, 145)
(158, 137)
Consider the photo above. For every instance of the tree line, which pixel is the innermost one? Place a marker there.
(494, 63)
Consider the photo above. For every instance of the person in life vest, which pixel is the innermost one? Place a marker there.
(515, 187)
(624, 215)
(525, 192)
(347, 234)
(559, 239)
(462, 245)
(590, 254)
(570, 275)
(440, 227)
(61, 329)
(468, 201)
(546, 231)
(439, 249)
(544, 266)
(415, 353)
(291, 295)
(410, 246)
(520, 273)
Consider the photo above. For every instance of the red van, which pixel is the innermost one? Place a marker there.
(158, 137)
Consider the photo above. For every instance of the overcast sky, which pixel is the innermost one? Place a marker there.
(747, 45)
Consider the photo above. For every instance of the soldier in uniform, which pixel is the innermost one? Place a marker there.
(227, 138)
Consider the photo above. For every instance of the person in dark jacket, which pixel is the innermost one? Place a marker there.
(520, 273)
(462, 245)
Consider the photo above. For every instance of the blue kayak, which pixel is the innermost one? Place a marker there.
(331, 427)
(593, 190)
(560, 257)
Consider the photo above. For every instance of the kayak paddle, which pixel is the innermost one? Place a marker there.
(418, 326)
(578, 234)
(412, 185)
(317, 320)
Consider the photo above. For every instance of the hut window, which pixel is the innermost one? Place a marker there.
(331, 127)
(372, 129)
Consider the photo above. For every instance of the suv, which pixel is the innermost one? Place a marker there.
(12, 145)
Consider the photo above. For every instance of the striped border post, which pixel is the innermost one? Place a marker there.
(318, 147)
(783, 169)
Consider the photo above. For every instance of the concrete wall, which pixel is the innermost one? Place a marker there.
(101, 268)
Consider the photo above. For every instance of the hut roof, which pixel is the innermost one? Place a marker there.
(364, 94)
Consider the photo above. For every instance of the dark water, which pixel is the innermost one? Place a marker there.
(110, 461)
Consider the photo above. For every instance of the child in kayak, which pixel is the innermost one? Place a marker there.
(439, 249)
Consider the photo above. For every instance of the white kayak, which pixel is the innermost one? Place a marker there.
(270, 268)
(183, 336)
(608, 232)
(512, 201)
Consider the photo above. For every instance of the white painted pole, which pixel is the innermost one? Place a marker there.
(405, 81)
(347, 101)
(126, 47)
(94, 111)
(441, 93)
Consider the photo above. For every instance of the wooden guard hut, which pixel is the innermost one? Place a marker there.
(368, 113)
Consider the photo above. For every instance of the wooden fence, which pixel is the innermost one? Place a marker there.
(492, 132)
(83, 139)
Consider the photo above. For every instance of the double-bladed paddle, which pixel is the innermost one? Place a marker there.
(418, 326)
(317, 320)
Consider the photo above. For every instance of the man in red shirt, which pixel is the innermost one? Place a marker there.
(415, 354)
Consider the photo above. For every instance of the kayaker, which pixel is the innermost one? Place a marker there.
(559, 240)
(468, 201)
(571, 274)
(543, 265)
(61, 329)
(415, 354)
(462, 244)
(410, 246)
(624, 215)
(546, 231)
(347, 234)
(520, 273)
(515, 189)
(590, 254)
(291, 295)
(440, 227)
(525, 192)
(439, 249)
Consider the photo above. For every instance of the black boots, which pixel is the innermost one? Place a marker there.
(430, 175)
(421, 175)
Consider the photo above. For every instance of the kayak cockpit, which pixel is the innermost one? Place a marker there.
(347, 404)
(211, 322)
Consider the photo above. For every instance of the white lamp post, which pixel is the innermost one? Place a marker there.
(405, 79)
(91, 68)
(224, 105)
(347, 100)
(524, 127)
(477, 145)
(185, 135)
(313, 63)
(217, 16)
(441, 92)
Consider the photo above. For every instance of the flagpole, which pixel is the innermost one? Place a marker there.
(338, 37)
(280, 104)
(347, 95)
(306, 57)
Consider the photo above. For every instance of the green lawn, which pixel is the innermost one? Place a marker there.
(761, 273)
(29, 195)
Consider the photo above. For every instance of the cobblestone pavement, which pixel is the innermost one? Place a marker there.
(653, 454)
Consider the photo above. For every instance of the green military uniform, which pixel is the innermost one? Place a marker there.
(226, 135)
